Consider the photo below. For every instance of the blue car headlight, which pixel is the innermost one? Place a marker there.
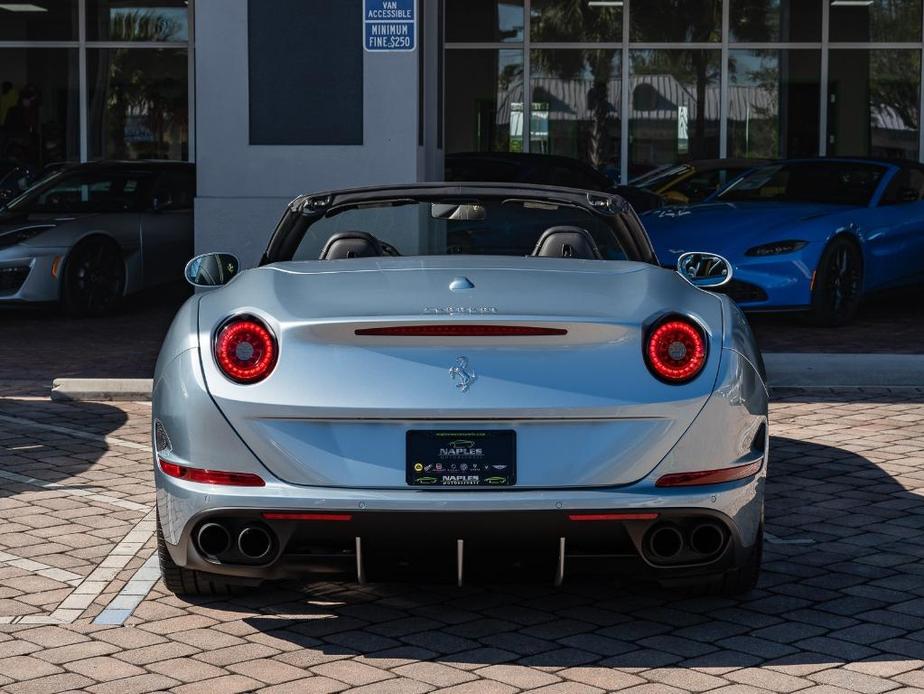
(776, 248)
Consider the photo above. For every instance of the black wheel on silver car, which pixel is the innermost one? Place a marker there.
(181, 581)
(838, 283)
(93, 282)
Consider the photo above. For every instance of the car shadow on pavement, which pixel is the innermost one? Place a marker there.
(843, 580)
(52, 442)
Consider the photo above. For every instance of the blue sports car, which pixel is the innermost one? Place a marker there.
(813, 235)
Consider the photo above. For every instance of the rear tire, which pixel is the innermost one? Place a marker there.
(189, 582)
(838, 284)
(93, 281)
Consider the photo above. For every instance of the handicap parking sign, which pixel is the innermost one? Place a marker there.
(390, 25)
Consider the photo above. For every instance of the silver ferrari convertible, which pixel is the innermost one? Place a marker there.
(453, 382)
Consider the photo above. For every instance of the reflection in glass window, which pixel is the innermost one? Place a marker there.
(484, 20)
(676, 20)
(137, 20)
(576, 104)
(566, 20)
(773, 103)
(874, 98)
(138, 103)
(774, 20)
(54, 21)
(39, 105)
(484, 101)
(674, 104)
(877, 20)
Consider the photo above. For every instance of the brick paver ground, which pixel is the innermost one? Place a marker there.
(840, 606)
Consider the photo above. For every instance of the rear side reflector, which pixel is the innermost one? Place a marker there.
(334, 517)
(194, 474)
(460, 331)
(579, 517)
(728, 474)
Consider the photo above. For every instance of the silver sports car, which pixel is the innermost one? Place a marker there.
(449, 381)
(91, 234)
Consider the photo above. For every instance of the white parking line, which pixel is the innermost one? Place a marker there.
(52, 572)
(75, 491)
(76, 433)
(139, 585)
(94, 584)
(774, 540)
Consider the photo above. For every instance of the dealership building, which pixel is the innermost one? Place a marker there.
(272, 98)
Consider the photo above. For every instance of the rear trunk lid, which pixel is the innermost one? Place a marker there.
(337, 408)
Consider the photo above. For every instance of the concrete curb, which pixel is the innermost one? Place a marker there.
(795, 370)
(784, 370)
(108, 389)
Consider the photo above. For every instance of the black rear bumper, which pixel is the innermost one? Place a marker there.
(493, 546)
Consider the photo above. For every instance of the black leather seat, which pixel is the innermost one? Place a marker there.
(351, 244)
(567, 242)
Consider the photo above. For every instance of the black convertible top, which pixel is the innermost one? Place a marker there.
(306, 209)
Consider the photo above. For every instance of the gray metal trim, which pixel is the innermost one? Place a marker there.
(823, 87)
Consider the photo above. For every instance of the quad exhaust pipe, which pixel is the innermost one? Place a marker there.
(213, 539)
(707, 538)
(254, 542)
(667, 543)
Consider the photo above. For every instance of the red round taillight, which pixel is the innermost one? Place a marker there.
(676, 350)
(245, 350)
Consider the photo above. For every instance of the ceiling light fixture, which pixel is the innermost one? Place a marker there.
(851, 3)
(604, 3)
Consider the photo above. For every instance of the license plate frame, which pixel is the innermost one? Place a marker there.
(461, 459)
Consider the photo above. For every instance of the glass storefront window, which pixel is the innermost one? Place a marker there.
(874, 102)
(774, 20)
(666, 21)
(48, 20)
(565, 20)
(674, 107)
(39, 105)
(484, 104)
(138, 101)
(575, 98)
(773, 103)
(877, 20)
(137, 20)
(469, 21)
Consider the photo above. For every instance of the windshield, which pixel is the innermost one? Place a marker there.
(83, 191)
(659, 176)
(489, 226)
(830, 182)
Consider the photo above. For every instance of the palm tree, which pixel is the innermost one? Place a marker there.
(559, 20)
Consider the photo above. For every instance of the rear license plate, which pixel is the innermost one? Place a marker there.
(438, 458)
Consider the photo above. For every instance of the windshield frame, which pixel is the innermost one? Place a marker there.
(21, 203)
(874, 195)
(305, 210)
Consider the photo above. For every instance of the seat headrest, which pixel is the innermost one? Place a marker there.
(351, 244)
(567, 242)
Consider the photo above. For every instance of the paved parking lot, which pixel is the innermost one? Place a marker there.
(840, 606)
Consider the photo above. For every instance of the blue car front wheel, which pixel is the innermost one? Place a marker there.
(838, 283)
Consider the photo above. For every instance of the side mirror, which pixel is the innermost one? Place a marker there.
(211, 269)
(704, 270)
